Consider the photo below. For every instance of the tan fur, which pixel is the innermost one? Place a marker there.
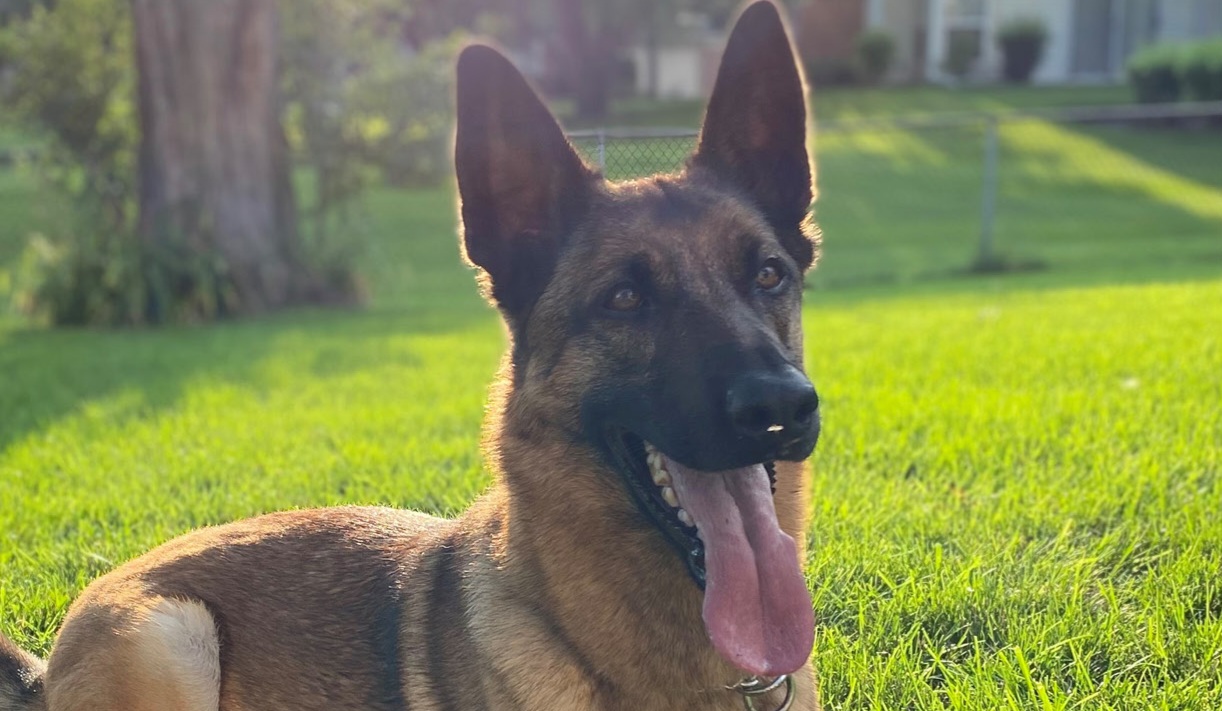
(552, 591)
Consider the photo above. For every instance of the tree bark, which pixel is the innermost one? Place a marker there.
(591, 55)
(214, 164)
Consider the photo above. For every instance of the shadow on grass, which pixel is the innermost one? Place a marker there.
(1193, 152)
(53, 373)
(420, 286)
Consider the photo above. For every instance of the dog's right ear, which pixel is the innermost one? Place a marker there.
(754, 134)
(521, 184)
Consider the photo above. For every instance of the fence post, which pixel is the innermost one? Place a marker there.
(986, 257)
(602, 149)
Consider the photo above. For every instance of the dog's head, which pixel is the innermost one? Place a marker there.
(658, 321)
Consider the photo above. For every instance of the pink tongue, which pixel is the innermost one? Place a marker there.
(757, 609)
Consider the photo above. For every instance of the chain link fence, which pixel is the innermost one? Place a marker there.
(623, 154)
(1091, 189)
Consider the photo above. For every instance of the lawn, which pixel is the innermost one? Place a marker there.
(1015, 503)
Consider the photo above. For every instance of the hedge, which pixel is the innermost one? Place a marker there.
(1165, 73)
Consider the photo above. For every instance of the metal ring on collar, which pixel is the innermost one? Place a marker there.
(752, 687)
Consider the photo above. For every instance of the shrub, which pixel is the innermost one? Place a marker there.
(72, 76)
(831, 72)
(1200, 71)
(1022, 44)
(962, 51)
(360, 108)
(412, 99)
(875, 53)
(100, 278)
(1154, 73)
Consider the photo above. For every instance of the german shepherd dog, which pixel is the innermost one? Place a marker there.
(641, 546)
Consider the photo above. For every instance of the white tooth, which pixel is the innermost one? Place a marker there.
(670, 497)
(661, 477)
(685, 518)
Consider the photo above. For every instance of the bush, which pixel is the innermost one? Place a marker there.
(1022, 44)
(831, 72)
(97, 278)
(412, 99)
(360, 108)
(875, 53)
(1200, 71)
(1154, 73)
(962, 51)
(72, 77)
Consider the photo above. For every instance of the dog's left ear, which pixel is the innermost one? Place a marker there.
(754, 134)
(521, 184)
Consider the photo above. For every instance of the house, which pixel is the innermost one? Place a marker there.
(679, 62)
(682, 69)
(1088, 40)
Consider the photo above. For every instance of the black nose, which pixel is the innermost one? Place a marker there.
(777, 405)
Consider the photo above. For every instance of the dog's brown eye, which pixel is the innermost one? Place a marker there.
(769, 276)
(625, 299)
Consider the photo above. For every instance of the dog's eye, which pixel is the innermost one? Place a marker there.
(624, 299)
(771, 275)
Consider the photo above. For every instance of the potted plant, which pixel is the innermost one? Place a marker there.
(875, 53)
(1022, 42)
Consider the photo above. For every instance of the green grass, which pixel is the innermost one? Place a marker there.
(1015, 503)
(12, 138)
(1101, 203)
(1023, 477)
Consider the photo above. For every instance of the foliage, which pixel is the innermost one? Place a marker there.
(1022, 42)
(95, 278)
(1154, 73)
(13, 10)
(875, 54)
(73, 78)
(962, 51)
(1177, 71)
(359, 106)
(831, 71)
(1201, 70)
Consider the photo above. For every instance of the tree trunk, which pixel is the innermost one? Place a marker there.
(214, 164)
(590, 59)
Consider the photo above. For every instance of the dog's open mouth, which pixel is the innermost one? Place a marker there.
(757, 609)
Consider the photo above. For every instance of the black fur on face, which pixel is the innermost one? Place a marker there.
(695, 367)
(694, 254)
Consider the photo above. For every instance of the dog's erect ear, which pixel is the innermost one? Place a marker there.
(520, 182)
(754, 134)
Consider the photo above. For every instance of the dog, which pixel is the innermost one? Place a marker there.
(641, 547)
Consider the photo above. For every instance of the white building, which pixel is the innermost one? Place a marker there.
(1089, 40)
(682, 65)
